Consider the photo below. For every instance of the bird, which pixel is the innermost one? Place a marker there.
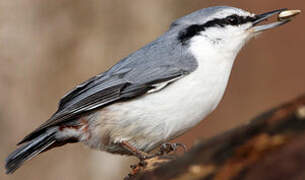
(156, 93)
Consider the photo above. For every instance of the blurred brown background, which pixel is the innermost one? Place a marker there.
(48, 47)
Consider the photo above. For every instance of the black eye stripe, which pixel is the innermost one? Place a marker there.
(234, 20)
(238, 20)
(195, 29)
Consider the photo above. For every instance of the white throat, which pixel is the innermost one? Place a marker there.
(170, 112)
(212, 73)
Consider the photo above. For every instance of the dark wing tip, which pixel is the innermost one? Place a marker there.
(29, 150)
(37, 132)
(10, 168)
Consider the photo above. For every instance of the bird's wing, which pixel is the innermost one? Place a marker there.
(107, 88)
(150, 68)
(118, 86)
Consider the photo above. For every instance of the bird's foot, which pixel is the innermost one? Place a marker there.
(139, 154)
(150, 161)
(135, 169)
(167, 148)
(148, 164)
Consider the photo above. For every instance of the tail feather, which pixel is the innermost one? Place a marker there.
(29, 150)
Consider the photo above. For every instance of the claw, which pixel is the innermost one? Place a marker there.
(183, 146)
(169, 147)
(133, 166)
(142, 163)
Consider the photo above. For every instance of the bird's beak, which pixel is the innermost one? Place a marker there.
(262, 17)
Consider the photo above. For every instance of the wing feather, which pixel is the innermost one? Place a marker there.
(88, 97)
(145, 71)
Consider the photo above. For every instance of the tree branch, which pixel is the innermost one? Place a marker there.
(271, 146)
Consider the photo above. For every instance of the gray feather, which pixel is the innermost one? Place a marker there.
(160, 61)
(29, 150)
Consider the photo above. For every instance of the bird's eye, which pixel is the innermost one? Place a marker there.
(233, 20)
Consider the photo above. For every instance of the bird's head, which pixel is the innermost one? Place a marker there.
(224, 29)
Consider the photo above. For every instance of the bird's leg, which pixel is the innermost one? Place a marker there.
(139, 154)
(142, 156)
(166, 148)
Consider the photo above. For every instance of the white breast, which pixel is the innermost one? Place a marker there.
(157, 117)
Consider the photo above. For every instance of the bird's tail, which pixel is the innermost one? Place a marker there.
(30, 149)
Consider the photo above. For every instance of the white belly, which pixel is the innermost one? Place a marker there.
(152, 119)
(158, 117)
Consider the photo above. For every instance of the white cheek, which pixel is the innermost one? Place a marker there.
(228, 40)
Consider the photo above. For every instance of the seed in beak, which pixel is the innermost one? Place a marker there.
(288, 14)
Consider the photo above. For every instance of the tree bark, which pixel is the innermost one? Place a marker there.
(271, 146)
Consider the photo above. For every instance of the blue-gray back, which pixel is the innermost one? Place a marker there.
(162, 60)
